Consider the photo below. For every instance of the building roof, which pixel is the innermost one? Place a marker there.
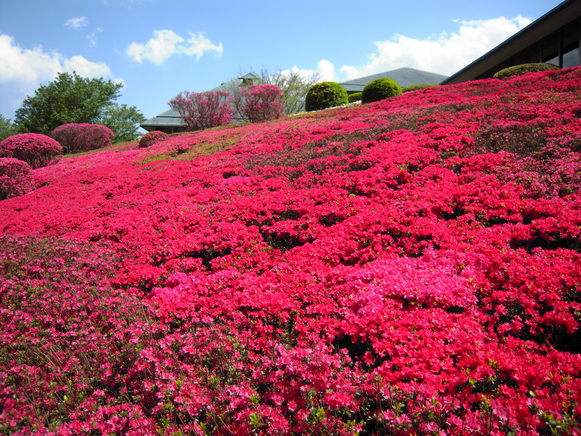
(250, 76)
(403, 76)
(564, 13)
(169, 118)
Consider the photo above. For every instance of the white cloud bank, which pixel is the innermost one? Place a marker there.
(166, 43)
(26, 69)
(325, 71)
(78, 22)
(444, 54)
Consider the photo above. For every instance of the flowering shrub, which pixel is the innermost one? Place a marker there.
(261, 102)
(202, 110)
(407, 267)
(15, 178)
(78, 137)
(35, 149)
(151, 138)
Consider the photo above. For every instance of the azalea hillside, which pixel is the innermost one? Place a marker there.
(409, 266)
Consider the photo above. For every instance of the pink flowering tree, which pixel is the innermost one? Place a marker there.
(77, 137)
(15, 177)
(202, 110)
(260, 102)
(35, 149)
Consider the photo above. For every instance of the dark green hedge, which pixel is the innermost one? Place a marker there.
(380, 89)
(325, 95)
(418, 86)
(356, 96)
(517, 70)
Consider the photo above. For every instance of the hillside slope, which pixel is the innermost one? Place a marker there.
(408, 266)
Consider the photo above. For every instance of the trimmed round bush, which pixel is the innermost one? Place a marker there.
(380, 89)
(356, 96)
(15, 177)
(78, 137)
(325, 95)
(518, 70)
(418, 86)
(33, 148)
(151, 138)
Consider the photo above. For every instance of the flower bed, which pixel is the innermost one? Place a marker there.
(407, 266)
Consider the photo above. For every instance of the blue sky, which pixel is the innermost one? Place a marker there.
(158, 48)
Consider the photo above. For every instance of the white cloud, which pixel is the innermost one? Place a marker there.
(92, 38)
(166, 43)
(325, 71)
(445, 53)
(26, 69)
(75, 23)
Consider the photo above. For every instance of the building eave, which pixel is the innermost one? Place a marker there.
(565, 12)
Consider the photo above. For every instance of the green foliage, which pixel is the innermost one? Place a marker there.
(356, 96)
(325, 95)
(71, 98)
(518, 70)
(123, 120)
(380, 89)
(6, 128)
(294, 87)
(418, 86)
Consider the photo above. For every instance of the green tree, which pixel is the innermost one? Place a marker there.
(123, 120)
(6, 128)
(71, 98)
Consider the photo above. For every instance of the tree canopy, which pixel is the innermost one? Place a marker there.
(71, 98)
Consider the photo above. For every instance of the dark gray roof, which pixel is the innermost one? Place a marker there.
(170, 118)
(403, 76)
(249, 76)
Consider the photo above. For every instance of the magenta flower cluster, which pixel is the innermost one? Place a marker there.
(35, 149)
(151, 138)
(409, 266)
(260, 103)
(202, 110)
(78, 137)
(15, 177)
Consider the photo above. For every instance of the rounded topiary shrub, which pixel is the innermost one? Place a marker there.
(78, 137)
(380, 89)
(418, 86)
(151, 138)
(325, 95)
(35, 149)
(356, 96)
(15, 177)
(518, 70)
